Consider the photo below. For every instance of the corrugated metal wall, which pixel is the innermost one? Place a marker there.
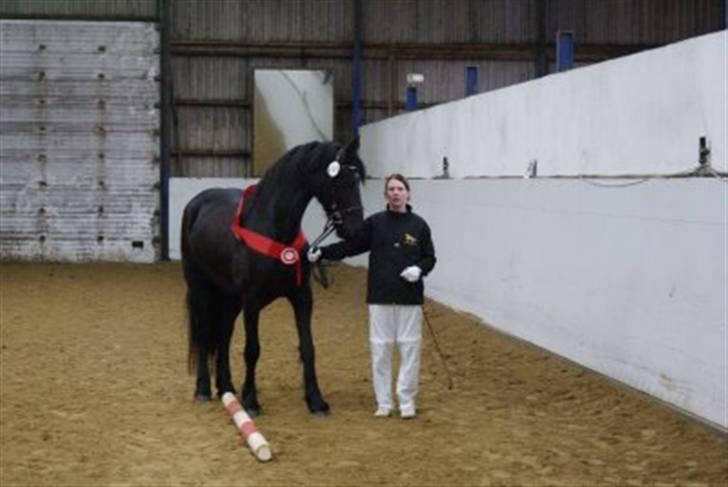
(77, 9)
(79, 140)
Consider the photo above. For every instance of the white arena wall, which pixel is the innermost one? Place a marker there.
(640, 114)
(627, 280)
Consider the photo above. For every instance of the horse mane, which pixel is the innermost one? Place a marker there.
(310, 157)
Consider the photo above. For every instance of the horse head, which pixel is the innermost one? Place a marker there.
(335, 184)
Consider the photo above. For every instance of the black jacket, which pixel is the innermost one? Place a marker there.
(395, 241)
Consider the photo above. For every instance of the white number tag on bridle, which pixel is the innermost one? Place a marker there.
(333, 169)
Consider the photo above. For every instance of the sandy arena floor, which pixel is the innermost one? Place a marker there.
(94, 391)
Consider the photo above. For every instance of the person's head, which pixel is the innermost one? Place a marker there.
(396, 191)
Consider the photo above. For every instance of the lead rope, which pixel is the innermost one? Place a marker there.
(437, 347)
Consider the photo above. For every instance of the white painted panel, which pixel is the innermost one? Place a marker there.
(79, 134)
(641, 114)
(291, 107)
(630, 282)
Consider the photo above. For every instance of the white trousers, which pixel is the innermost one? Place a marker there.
(391, 324)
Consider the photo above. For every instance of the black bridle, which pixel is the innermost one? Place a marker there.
(335, 218)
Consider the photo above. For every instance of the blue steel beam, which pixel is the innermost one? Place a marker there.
(411, 98)
(564, 50)
(471, 80)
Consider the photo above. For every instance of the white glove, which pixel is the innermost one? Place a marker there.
(314, 254)
(411, 273)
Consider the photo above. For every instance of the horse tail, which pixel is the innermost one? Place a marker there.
(202, 344)
(204, 336)
(192, 348)
(197, 300)
(189, 215)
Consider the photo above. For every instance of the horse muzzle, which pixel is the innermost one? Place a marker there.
(348, 222)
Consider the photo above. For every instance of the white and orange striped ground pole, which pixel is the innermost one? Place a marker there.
(256, 442)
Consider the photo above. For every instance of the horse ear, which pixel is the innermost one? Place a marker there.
(352, 147)
(351, 153)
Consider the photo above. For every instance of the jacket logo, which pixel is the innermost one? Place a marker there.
(409, 239)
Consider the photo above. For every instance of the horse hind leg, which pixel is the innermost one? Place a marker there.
(229, 310)
(201, 337)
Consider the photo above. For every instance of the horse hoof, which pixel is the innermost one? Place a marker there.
(321, 408)
(253, 412)
(203, 397)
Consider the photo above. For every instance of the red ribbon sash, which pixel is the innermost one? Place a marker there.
(286, 254)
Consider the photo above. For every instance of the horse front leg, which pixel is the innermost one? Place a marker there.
(302, 303)
(251, 354)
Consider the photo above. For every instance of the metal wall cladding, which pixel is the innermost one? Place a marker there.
(446, 81)
(210, 78)
(387, 82)
(405, 21)
(201, 166)
(79, 135)
(214, 109)
(264, 20)
(218, 129)
(635, 21)
(464, 21)
(231, 78)
(111, 9)
(517, 21)
(217, 138)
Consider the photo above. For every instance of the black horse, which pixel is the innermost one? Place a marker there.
(241, 254)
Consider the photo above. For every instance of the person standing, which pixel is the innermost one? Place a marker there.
(401, 253)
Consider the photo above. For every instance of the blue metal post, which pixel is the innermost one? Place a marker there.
(356, 64)
(564, 50)
(471, 80)
(411, 98)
